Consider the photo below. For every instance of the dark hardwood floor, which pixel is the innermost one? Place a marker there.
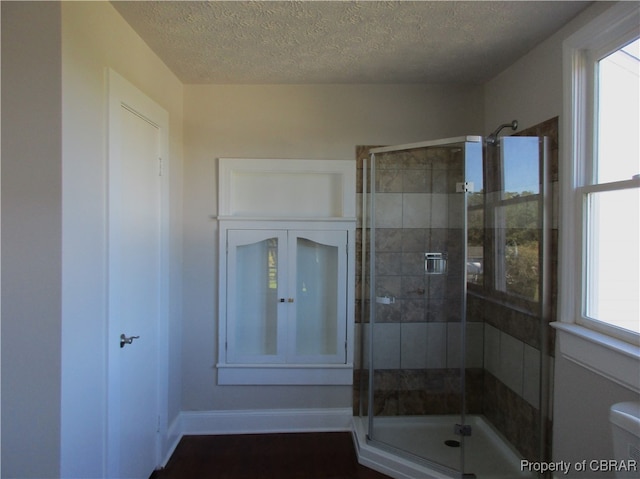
(328, 455)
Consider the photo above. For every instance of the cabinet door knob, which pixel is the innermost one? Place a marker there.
(281, 300)
(290, 300)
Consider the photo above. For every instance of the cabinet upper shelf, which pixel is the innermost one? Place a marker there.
(286, 188)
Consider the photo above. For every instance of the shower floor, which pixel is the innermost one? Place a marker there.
(487, 454)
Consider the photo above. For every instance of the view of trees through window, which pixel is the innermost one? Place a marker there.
(521, 243)
(504, 224)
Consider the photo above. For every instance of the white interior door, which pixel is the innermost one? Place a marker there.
(137, 296)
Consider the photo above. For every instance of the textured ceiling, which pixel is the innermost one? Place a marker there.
(242, 42)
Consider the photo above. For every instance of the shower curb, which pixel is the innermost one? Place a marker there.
(385, 462)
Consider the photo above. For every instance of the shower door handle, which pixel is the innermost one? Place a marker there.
(385, 299)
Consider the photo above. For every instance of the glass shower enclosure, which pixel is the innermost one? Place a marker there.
(424, 237)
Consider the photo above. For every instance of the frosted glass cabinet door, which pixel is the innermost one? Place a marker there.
(317, 275)
(256, 266)
(286, 297)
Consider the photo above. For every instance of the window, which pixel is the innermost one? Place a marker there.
(506, 222)
(601, 198)
(517, 218)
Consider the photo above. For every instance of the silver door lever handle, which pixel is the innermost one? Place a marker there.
(124, 340)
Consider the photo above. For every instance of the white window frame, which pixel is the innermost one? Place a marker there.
(605, 349)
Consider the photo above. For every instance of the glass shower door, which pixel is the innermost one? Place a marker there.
(455, 319)
(512, 298)
(417, 323)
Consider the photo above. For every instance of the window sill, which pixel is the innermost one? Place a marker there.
(611, 358)
(290, 374)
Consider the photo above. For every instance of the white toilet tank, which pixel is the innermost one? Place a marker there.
(625, 425)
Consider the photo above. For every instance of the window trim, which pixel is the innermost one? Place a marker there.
(601, 36)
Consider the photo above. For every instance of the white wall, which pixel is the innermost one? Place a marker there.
(95, 37)
(581, 420)
(531, 91)
(285, 121)
(31, 239)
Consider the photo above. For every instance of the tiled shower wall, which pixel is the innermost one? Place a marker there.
(417, 358)
(417, 338)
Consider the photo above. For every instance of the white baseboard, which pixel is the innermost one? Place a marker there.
(173, 438)
(257, 422)
(265, 421)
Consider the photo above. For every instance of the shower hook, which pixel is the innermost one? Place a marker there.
(492, 139)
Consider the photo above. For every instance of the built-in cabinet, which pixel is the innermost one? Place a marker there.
(286, 272)
(286, 296)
